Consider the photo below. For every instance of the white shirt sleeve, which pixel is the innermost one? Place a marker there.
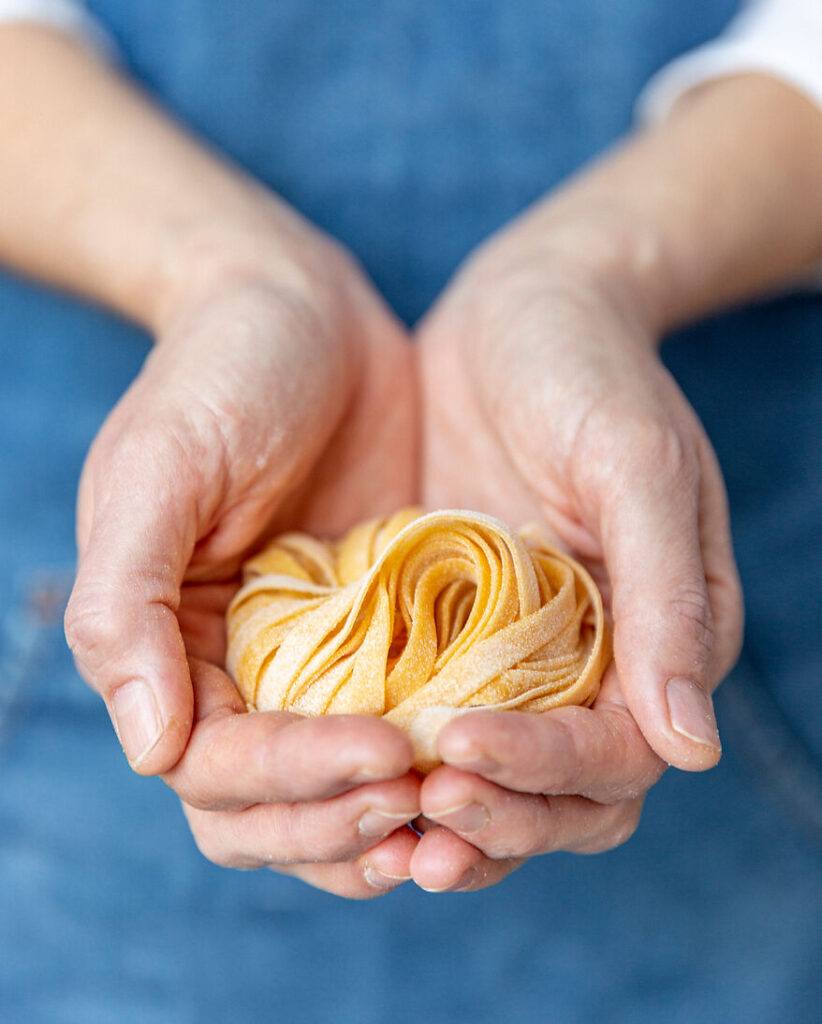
(68, 16)
(782, 38)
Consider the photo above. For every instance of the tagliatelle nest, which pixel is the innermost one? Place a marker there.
(416, 617)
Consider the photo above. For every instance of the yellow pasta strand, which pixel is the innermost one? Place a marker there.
(416, 618)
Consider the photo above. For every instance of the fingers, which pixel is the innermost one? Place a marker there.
(664, 628)
(120, 622)
(486, 828)
(505, 825)
(375, 873)
(333, 830)
(235, 759)
(444, 862)
(598, 752)
(297, 794)
(722, 577)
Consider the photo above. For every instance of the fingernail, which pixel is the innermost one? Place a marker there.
(137, 720)
(380, 823)
(381, 880)
(465, 882)
(691, 712)
(470, 817)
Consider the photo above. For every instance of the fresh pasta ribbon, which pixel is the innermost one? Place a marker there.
(416, 618)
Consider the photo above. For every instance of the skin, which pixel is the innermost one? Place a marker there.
(281, 393)
(275, 367)
(545, 399)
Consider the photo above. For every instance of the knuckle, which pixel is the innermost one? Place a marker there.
(529, 838)
(692, 611)
(626, 824)
(659, 448)
(212, 845)
(206, 775)
(282, 835)
(637, 767)
(193, 797)
(163, 459)
(298, 839)
(273, 836)
(647, 776)
(519, 745)
(572, 774)
(534, 843)
(615, 830)
(91, 625)
(618, 447)
(136, 447)
(196, 791)
(342, 848)
(540, 836)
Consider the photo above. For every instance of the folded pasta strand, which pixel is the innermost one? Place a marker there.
(416, 618)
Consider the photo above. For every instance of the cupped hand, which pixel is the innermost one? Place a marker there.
(545, 399)
(280, 393)
(323, 799)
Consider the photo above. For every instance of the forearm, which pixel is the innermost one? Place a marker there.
(103, 194)
(719, 204)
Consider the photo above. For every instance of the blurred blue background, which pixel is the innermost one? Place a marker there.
(410, 131)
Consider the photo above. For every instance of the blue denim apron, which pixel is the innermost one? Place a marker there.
(410, 130)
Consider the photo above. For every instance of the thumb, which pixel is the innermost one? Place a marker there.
(121, 622)
(663, 625)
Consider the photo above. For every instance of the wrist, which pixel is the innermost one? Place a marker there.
(598, 252)
(622, 257)
(259, 240)
(715, 206)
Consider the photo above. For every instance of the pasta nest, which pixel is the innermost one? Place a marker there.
(416, 618)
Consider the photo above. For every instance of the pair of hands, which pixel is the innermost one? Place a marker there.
(283, 394)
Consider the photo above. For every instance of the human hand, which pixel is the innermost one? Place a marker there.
(280, 394)
(545, 400)
(323, 799)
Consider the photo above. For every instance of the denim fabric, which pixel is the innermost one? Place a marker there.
(411, 131)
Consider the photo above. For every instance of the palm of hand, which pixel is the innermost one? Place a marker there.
(261, 412)
(543, 402)
(256, 412)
